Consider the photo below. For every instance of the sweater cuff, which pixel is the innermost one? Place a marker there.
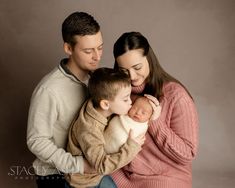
(157, 128)
(153, 126)
(133, 145)
(80, 164)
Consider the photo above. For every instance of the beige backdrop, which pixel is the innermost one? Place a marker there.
(194, 40)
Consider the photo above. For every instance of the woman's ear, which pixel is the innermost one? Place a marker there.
(67, 48)
(104, 104)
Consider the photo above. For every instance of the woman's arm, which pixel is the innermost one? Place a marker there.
(175, 132)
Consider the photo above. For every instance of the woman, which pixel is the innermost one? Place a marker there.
(165, 160)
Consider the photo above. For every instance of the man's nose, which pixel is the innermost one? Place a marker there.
(97, 55)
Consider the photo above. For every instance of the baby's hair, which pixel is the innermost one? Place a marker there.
(142, 98)
(104, 84)
(145, 99)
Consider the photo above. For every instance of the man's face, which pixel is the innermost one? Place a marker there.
(87, 52)
(122, 101)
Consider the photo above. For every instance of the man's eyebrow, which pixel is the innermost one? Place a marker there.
(92, 48)
(101, 45)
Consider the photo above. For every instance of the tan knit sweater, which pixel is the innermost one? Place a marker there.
(86, 138)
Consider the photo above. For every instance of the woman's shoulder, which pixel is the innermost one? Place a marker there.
(174, 89)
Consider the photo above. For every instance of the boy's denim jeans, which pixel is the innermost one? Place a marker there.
(106, 182)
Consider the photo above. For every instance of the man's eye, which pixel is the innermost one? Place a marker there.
(87, 51)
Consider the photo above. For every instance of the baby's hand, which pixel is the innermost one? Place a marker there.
(139, 139)
(155, 105)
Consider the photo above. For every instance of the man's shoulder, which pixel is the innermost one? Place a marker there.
(51, 79)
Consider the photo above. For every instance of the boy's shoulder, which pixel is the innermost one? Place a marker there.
(89, 114)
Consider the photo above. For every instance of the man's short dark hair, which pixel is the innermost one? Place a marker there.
(78, 23)
(104, 84)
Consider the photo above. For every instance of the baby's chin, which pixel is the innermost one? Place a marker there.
(137, 119)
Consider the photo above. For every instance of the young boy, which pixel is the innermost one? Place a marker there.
(110, 94)
(136, 120)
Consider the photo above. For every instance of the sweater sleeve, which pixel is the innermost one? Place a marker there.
(177, 139)
(42, 117)
(92, 144)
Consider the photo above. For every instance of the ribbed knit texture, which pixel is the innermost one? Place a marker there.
(171, 143)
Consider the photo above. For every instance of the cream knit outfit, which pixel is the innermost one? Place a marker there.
(118, 129)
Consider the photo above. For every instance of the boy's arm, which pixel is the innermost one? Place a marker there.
(92, 144)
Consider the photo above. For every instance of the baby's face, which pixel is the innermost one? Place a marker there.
(141, 110)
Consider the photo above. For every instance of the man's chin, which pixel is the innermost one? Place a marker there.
(92, 68)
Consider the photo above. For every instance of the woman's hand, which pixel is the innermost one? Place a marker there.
(155, 105)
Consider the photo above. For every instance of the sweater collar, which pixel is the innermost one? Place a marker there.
(64, 69)
(137, 89)
(96, 115)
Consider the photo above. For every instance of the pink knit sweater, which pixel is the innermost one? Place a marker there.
(165, 160)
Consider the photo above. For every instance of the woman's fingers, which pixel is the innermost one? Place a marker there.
(153, 99)
(155, 105)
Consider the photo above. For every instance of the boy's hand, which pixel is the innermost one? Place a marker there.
(87, 168)
(139, 139)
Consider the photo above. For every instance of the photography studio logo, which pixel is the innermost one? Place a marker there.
(18, 172)
(21, 172)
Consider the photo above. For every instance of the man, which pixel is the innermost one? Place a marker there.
(57, 99)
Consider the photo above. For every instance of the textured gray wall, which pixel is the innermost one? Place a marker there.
(194, 41)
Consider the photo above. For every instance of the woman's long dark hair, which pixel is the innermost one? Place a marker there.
(157, 76)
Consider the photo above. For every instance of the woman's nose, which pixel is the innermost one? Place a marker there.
(132, 74)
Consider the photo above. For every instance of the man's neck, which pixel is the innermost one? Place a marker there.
(80, 74)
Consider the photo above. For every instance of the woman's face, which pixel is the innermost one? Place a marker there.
(136, 64)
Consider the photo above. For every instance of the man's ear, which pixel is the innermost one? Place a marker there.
(67, 48)
(104, 104)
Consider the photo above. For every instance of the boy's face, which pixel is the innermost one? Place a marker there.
(122, 102)
(141, 110)
(87, 52)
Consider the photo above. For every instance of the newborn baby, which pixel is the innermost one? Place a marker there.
(118, 128)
